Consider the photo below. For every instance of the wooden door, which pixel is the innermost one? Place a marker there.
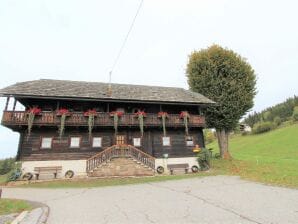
(120, 140)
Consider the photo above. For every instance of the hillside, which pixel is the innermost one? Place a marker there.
(270, 157)
(282, 111)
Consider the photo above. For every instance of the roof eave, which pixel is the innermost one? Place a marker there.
(104, 99)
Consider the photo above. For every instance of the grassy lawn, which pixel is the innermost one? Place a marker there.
(8, 206)
(269, 158)
(103, 182)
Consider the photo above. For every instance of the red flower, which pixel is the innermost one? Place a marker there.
(184, 114)
(90, 112)
(62, 111)
(118, 113)
(140, 113)
(162, 113)
(34, 110)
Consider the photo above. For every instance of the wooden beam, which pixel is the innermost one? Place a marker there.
(14, 104)
(7, 102)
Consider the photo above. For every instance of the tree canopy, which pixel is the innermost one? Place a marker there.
(228, 79)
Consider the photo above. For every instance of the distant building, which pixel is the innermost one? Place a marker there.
(102, 124)
(245, 128)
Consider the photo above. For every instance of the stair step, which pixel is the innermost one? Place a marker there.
(122, 167)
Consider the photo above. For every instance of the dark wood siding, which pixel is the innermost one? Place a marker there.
(151, 143)
(178, 146)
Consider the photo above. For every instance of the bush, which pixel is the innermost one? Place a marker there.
(209, 136)
(295, 114)
(6, 165)
(262, 127)
(245, 133)
(277, 121)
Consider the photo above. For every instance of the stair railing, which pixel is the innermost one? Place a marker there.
(120, 151)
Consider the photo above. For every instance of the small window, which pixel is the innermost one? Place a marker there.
(97, 141)
(166, 141)
(75, 142)
(46, 143)
(137, 141)
(189, 141)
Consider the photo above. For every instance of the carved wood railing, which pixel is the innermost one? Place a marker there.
(120, 151)
(102, 119)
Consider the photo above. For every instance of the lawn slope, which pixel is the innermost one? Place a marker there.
(270, 157)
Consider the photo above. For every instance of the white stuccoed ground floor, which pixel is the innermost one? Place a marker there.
(79, 166)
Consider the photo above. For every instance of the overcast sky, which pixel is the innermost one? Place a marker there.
(79, 40)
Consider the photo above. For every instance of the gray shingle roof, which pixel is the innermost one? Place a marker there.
(98, 90)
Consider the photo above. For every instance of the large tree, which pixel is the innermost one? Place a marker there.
(225, 77)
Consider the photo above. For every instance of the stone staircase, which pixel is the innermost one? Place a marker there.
(121, 161)
(121, 167)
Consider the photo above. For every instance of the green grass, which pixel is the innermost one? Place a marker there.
(270, 157)
(103, 182)
(8, 206)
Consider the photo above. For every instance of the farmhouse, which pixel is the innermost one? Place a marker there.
(74, 128)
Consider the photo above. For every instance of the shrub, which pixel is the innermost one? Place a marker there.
(295, 114)
(262, 127)
(209, 136)
(6, 165)
(277, 121)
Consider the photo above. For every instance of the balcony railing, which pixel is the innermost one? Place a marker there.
(18, 118)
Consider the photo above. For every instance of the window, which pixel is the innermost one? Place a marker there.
(137, 141)
(97, 141)
(166, 141)
(75, 142)
(189, 141)
(46, 143)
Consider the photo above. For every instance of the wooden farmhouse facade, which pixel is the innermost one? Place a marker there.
(99, 129)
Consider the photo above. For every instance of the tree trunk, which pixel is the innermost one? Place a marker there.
(223, 143)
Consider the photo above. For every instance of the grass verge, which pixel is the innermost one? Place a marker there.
(103, 182)
(8, 206)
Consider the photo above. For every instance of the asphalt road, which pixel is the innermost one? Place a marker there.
(218, 199)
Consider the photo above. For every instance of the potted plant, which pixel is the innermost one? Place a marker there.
(185, 116)
(31, 113)
(163, 115)
(63, 113)
(140, 115)
(91, 114)
(116, 115)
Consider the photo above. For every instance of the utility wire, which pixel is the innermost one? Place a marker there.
(125, 40)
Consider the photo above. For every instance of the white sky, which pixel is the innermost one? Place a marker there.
(79, 40)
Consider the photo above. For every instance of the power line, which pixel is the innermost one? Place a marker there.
(125, 40)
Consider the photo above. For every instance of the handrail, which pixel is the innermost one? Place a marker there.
(119, 151)
(98, 154)
(141, 151)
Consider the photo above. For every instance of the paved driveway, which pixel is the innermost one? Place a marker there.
(219, 199)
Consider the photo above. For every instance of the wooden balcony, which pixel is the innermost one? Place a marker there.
(20, 118)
